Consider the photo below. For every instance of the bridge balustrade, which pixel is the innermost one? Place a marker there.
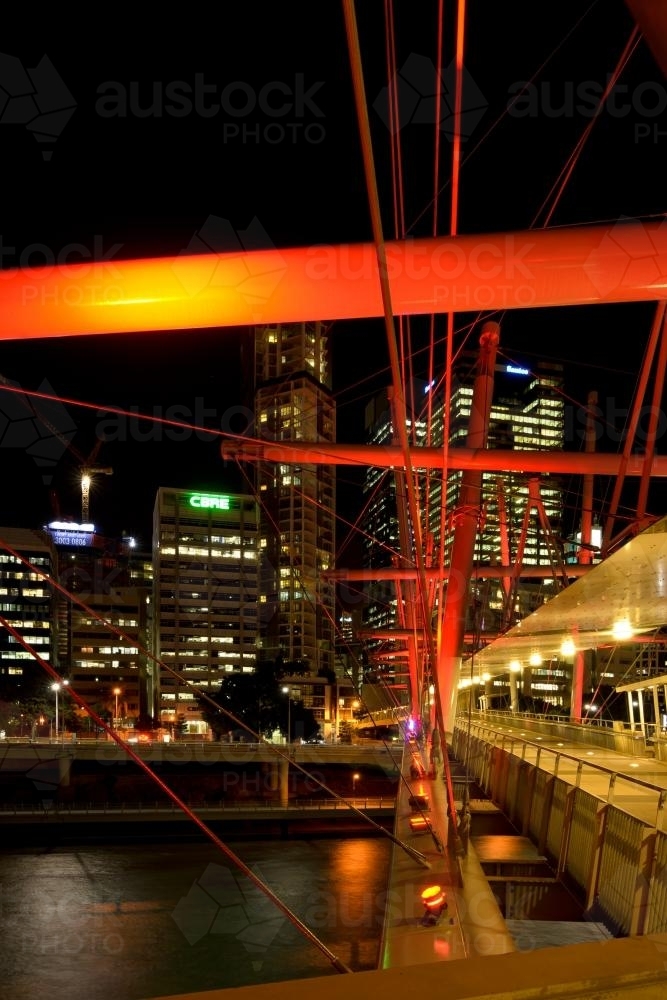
(606, 842)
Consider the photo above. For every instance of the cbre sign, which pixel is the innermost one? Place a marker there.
(202, 501)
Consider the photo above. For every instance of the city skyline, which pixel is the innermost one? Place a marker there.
(192, 182)
(203, 141)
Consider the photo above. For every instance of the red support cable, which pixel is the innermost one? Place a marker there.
(337, 963)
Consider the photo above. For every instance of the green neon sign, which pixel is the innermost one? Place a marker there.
(203, 501)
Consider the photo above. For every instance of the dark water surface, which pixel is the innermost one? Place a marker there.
(138, 921)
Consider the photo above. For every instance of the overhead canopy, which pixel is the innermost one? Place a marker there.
(625, 596)
(647, 682)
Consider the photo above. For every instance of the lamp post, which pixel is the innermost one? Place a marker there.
(116, 692)
(355, 779)
(56, 687)
(286, 691)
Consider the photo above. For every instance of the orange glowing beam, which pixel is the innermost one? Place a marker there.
(624, 262)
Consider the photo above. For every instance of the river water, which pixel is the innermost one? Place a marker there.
(134, 921)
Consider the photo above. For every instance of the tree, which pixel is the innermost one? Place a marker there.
(256, 700)
(143, 721)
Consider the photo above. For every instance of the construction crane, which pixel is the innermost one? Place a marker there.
(88, 470)
(87, 467)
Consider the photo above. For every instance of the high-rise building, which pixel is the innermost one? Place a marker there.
(27, 604)
(110, 672)
(527, 412)
(293, 402)
(382, 543)
(108, 582)
(205, 556)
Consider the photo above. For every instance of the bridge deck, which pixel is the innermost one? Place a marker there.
(472, 924)
(632, 782)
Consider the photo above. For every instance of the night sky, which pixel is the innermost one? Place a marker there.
(141, 165)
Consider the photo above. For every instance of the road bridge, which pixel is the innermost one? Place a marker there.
(107, 751)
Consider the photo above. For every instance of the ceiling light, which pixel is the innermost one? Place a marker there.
(568, 647)
(622, 630)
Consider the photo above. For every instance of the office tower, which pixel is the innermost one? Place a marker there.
(111, 671)
(382, 543)
(110, 583)
(27, 604)
(293, 402)
(527, 412)
(205, 557)
(520, 516)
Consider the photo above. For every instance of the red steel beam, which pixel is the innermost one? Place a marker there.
(583, 265)
(489, 460)
(435, 573)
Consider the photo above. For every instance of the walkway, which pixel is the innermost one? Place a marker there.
(472, 924)
(635, 784)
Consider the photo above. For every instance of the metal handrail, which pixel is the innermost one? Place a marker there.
(321, 805)
(559, 755)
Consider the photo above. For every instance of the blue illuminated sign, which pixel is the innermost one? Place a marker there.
(513, 370)
(71, 537)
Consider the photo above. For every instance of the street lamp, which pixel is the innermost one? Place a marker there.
(355, 779)
(56, 687)
(116, 692)
(286, 691)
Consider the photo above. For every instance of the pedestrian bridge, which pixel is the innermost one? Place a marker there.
(595, 813)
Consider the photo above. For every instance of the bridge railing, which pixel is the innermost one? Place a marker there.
(605, 841)
(616, 785)
(603, 733)
(65, 809)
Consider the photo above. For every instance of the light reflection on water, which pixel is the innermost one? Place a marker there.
(133, 921)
